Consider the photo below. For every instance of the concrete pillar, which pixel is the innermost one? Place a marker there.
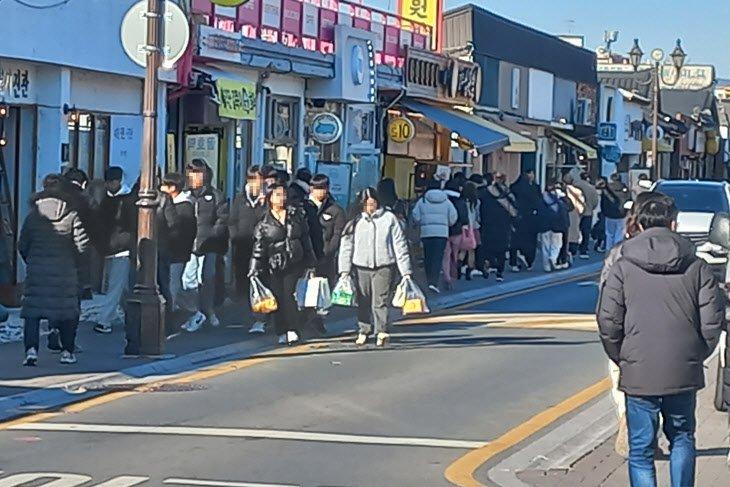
(54, 91)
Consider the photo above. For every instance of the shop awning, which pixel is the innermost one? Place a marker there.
(589, 151)
(517, 142)
(483, 138)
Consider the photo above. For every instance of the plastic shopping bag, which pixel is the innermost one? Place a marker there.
(344, 292)
(468, 238)
(415, 300)
(262, 299)
(323, 297)
(399, 297)
(300, 294)
(193, 273)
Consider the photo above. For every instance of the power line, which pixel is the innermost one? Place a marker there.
(26, 3)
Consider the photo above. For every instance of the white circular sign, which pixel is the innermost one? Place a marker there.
(175, 34)
(657, 55)
(326, 128)
(650, 132)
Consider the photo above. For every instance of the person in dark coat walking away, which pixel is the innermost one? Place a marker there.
(52, 243)
(373, 246)
(660, 313)
(434, 214)
(116, 218)
(592, 201)
(248, 209)
(451, 262)
(299, 189)
(614, 196)
(177, 229)
(473, 208)
(499, 212)
(389, 198)
(76, 181)
(211, 241)
(524, 240)
(554, 220)
(282, 253)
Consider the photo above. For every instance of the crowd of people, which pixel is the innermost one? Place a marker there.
(278, 230)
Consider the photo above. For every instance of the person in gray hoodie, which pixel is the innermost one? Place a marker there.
(435, 214)
(373, 245)
(660, 313)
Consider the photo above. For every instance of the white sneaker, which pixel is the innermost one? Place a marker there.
(31, 358)
(291, 337)
(67, 357)
(382, 340)
(362, 339)
(195, 323)
(434, 289)
(258, 328)
(214, 321)
(476, 273)
(103, 329)
(492, 270)
(515, 268)
(523, 261)
(282, 339)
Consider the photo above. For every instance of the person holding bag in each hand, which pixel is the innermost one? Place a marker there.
(283, 253)
(373, 245)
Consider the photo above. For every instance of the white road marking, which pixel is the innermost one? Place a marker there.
(52, 479)
(250, 433)
(124, 481)
(220, 483)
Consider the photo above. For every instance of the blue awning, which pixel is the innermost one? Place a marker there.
(484, 139)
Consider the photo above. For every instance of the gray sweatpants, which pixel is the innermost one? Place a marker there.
(373, 294)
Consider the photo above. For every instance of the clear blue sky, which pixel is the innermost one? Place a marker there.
(703, 25)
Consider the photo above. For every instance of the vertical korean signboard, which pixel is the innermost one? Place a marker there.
(429, 12)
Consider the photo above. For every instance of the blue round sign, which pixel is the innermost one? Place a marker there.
(326, 128)
(611, 153)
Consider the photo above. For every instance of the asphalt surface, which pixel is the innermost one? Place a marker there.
(393, 417)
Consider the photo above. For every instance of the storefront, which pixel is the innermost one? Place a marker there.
(438, 97)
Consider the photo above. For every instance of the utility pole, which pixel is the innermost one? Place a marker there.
(655, 122)
(145, 315)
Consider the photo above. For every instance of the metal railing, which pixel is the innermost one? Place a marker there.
(310, 24)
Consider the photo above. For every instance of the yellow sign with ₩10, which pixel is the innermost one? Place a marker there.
(229, 3)
(237, 99)
(401, 130)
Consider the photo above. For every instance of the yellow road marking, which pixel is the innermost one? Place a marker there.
(579, 322)
(33, 418)
(461, 471)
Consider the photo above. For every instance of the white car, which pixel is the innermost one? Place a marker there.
(698, 202)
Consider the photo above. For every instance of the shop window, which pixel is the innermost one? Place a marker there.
(361, 126)
(89, 144)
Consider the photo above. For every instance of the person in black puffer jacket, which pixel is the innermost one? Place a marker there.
(177, 228)
(211, 241)
(614, 196)
(116, 222)
(499, 212)
(282, 253)
(660, 313)
(524, 239)
(52, 243)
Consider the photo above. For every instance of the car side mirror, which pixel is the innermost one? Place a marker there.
(720, 230)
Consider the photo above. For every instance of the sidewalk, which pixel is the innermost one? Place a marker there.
(603, 467)
(101, 368)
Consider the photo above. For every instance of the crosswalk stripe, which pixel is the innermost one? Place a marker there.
(220, 483)
(250, 433)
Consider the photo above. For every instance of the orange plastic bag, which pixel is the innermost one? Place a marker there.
(262, 299)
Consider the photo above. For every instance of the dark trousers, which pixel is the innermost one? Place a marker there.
(526, 244)
(496, 258)
(642, 417)
(585, 231)
(66, 329)
(241, 257)
(373, 294)
(563, 257)
(433, 256)
(287, 317)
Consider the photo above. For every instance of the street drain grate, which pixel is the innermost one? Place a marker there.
(176, 388)
(145, 388)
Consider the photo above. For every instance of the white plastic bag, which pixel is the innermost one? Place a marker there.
(192, 276)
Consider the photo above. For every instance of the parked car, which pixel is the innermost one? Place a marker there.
(698, 203)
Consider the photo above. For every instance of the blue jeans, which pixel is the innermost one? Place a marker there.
(678, 413)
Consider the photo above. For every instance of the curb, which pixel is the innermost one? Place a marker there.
(63, 394)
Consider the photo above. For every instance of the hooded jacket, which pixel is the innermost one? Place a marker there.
(52, 241)
(462, 212)
(590, 195)
(374, 241)
(117, 222)
(660, 313)
(178, 227)
(613, 198)
(332, 222)
(434, 213)
(211, 213)
(246, 213)
(499, 212)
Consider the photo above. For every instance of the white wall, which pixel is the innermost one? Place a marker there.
(81, 33)
(540, 95)
(102, 92)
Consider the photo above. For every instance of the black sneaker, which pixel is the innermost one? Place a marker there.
(500, 277)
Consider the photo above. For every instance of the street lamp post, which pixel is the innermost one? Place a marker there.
(145, 313)
(678, 57)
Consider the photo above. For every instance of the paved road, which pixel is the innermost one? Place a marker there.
(331, 415)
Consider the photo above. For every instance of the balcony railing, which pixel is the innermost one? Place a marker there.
(310, 24)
